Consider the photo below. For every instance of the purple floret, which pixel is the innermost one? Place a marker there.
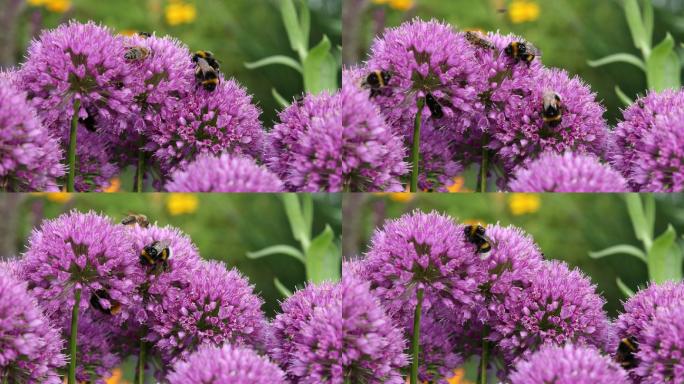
(569, 364)
(661, 349)
(224, 173)
(568, 172)
(226, 364)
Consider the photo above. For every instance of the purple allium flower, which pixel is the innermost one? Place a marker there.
(521, 134)
(218, 306)
(437, 166)
(95, 166)
(81, 251)
(30, 348)
(96, 357)
(296, 311)
(640, 310)
(568, 364)
(225, 173)
(556, 305)
(373, 157)
(661, 349)
(423, 251)
(568, 172)
(305, 148)
(629, 149)
(79, 62)
(440, 348)
(29, 155)
(227, 364)
(224, 120)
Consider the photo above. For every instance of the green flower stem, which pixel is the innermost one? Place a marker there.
(415, 339)
(484, 359)
(142, 361)
(484, 166)
(73, 346)
(415, 149)
(72, 147)
(140, 172)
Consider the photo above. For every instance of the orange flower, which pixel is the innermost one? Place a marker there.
(114, 185)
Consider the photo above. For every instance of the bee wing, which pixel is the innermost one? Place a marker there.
(532, 49)
(163, 243)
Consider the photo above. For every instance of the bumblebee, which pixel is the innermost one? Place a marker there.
(101, 294)
(156, 254)
(519, 51)
(434, 106)
(477, 40)
(206, 69)
(625, 353)
(134, 219)
(137, 53)
(475, 234)
(553, 108)
(376, 81)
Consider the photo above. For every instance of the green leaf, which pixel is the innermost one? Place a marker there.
(649, 212)
(636, 25)
(320, 68)
(628, 292)
(281, 288)
(619, 58)
(619, 249)
(291, 22)
(322, 264)
(279, 99)
(307, 212)
(280, 249)
(294, 215)
(636, 214)
(663, 68)
(665, 258)
(647, 8)
(277, 59)
(623, 97)
(304, 21)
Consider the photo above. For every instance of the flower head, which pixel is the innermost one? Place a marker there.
(95, 165)
(81, 251)
(224, 120)
(30, 155)
(661, 350)
(96, 356)
(226, 364)
(568, 172)
(79, 62)
(216, 307)
(224, 173)
(30, 347)
(305, 148)
(629, 148)
(372, 155)
(568, 364)
(557, 305)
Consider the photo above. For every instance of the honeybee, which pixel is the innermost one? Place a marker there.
(475, 234)
(625, 353)
(553, 109)
(206, 69)
(144, 34)
(137, 53)
(476, 39)
(134, 219)
(522, 51)
(156, 254)
(101, 294)
(434, 106)
(376, 81)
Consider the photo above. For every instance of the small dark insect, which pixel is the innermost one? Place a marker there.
(552, 112)
(206, 69)
(376, 81)
(475, 234)
(134, 219)
(144, 34)
(434, 106)
(89, 122)
(625, 355)
(101, 294)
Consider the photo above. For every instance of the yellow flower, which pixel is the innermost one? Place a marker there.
(458, 377)
(399, 5)
(59, 197)
(402, 197)
(178, 12)
(522, 11)
(182, 203)
(114, 185)
(117, 377)
(58, 6)
(457, 186)
(36, 3)
(524, 203)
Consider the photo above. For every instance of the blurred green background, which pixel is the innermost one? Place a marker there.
(223, 226)
(569, 32)
(237, 31)
(565, 226)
